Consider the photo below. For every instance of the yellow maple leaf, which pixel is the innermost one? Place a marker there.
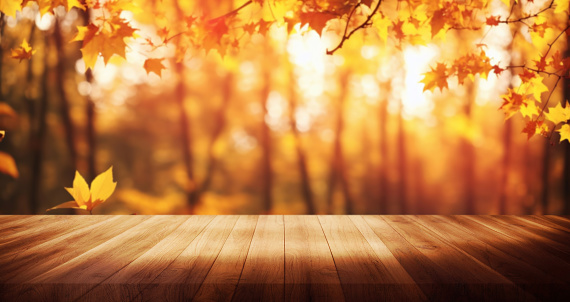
(106, 41)
(435, 78)
(564, 132)
(25, 51)
(381, 25)
(86, 199)
(9, 7)
(529, 109)
(154, 65)
(558, 114)
(534, 86)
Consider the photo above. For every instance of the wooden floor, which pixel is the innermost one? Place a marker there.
(291, 258)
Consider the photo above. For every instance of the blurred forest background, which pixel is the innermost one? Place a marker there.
(278, 127)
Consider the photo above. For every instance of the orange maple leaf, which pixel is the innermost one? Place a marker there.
(154, 65)
(437, 22)
(493, 20)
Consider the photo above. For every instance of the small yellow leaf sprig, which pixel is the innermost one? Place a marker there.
(25, 51)
(87, 199)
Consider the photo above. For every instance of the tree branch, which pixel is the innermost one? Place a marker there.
(364, 24)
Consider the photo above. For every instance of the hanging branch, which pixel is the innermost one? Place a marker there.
(346, 35)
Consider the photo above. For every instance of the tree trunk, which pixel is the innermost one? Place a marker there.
(37, 140)
(186, 137)
(265, 139)
(506, 167)
(219, 125)
(545, 177)
(301, 156)
(185, 125)
(338, 169)
(60, 83)
(91, 141)
(402, 162)
(566, 173)
(384, 195)
(468, 153)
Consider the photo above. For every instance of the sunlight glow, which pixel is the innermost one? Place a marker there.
(308, 52)
(417, 60)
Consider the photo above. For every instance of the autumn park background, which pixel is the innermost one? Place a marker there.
(235, 107)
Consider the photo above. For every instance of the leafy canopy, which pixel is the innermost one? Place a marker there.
(201, 25)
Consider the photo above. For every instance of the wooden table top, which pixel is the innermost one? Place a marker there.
(291, 258)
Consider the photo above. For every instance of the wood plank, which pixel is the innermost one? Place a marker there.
(565, 222)
(10, 218)
(37, 259)
(481, 281)
(545, 222)
(128, 282)
(182, 277)
(521, 234)
(310, 272)
(523, 250)
(541, 285)
(10, 229)
(381, 250)
(560, 239)
(363, 275)
(434, 282)
(223, 277)
(45, 231)
(77, 276)
(263, 274)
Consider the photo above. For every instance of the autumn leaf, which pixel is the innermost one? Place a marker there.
(437, 22)
(558, 114)
(2, 134)
(564, 132)
(512, 103)
(8, 164)
(9, 7)
(87, 199)
(529, 109)
(316, 20)
(25, 51)
(530, 129)
(493, 20)
(154, 65)
(435, 78)
(6, 110)
(105, 41)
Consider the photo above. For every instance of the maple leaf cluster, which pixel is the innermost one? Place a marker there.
(412, 22)
(463, 67)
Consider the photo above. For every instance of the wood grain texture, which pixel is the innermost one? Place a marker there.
(523, 235)
(284, 258)
(263, 275)
(223, 277)
(364, 277)
(182, 277)
(560, 220)
(519, 272)
(310, 272)
(128, 282)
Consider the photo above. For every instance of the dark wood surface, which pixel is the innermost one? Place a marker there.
(284, 258)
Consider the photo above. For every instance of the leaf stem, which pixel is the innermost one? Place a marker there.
(366, 23)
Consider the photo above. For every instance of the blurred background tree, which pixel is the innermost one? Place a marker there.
(252, 115)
